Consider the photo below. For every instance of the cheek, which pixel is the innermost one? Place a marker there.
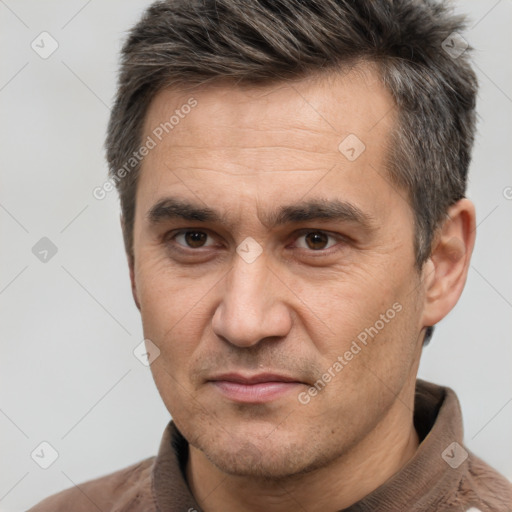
(174, 310)
(371, 324)
(163, 294)
(171, 318)
(341, 306)
(180, 398)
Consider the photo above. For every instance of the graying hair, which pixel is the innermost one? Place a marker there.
(193, 42)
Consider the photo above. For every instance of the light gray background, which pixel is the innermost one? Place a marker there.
(68, 326)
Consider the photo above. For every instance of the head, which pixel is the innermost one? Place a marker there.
(292, 179)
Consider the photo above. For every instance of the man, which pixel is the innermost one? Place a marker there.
(292, 178)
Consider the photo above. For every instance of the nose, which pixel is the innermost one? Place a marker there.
(252, 306)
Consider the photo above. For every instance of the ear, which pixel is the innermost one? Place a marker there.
(446, 270)
(131, 266)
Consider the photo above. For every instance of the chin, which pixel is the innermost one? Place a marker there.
(262, 460)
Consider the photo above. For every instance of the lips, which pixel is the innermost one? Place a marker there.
(259, 388)
(254, 379)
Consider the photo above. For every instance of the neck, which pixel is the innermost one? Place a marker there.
(337, 486)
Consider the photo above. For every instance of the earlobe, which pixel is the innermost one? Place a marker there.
(446, 270)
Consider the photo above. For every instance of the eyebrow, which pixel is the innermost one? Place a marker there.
(315, 209)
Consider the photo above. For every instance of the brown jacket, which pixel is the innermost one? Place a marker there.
(442, 476)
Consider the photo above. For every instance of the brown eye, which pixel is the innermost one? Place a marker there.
(195, 238)
(316, 240)
(192, 239)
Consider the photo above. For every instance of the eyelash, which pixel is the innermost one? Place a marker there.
(171, 240)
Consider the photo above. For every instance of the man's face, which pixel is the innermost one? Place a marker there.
(277, 285)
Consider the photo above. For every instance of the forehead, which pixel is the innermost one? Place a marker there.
(313, 114)
(269, 141)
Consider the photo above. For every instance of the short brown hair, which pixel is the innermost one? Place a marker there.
(193, 42)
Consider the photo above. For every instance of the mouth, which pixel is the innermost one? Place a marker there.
(260, 388)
